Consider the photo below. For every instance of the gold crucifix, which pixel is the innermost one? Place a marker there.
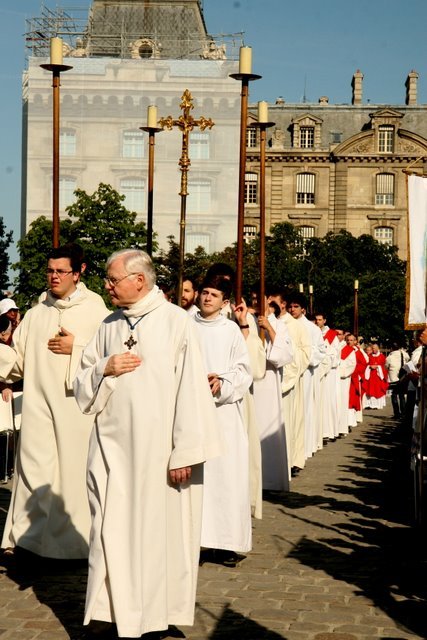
(186, 123)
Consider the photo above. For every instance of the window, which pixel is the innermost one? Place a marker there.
(249, 232)
(251, 188)
(134, 191)
(251, 137)
(336, 137)
(384, 189)
(306, 232)
(67, 186)
(306, 137)
(194, 240)
(305, 188)
(384, 235)
(199, 146)
(199, 196)
(385, 138)
(133, 144)
(67, 142)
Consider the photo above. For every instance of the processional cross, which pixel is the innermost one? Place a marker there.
(186, 124)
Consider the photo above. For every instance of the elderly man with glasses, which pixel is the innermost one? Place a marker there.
(143, 378)
(49, 511)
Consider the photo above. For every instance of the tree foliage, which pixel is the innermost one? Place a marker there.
(6, 238)
(99, 223)
(330, 264)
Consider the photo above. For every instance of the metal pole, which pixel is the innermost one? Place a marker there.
(55, 156)
(150, 194)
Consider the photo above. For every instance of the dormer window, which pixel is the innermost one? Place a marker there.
(385, 138)
(307, 137)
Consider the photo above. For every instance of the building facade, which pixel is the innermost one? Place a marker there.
(332, 167)
(125, 57)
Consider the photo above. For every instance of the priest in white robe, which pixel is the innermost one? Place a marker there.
(49, 510)
(143, 378)
(226, 524)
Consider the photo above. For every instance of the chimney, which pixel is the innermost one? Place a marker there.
(411, 87)
(357, 86)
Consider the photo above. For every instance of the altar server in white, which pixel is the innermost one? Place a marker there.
(268, 404)
(143, 377)
(49, 510)
(226, 505)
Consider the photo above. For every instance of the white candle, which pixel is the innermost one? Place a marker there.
(245, 60)
(152, 117)
(310, 289)
(263, 111)
(356, 285)
(56, 51)
(301, 288)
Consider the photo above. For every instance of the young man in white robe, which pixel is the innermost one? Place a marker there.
(226, 523)
(311, 376)
(292, 383)
(329, 386)
(189, 295)
(143, 378)
(49, 510)
(346, 369)
(268, 403)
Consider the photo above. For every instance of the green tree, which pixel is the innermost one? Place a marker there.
(99, 223)
(6, 238)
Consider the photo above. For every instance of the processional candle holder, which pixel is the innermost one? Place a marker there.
(151, 129)
(56, 66)
(245, 76)
(356, 310)
(263, 124)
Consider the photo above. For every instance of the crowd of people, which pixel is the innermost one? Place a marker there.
(149, 434)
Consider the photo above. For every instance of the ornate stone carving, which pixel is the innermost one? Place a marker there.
(212, 51)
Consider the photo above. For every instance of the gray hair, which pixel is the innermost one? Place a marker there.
(135, 261)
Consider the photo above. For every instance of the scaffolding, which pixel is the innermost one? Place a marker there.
(113, 33)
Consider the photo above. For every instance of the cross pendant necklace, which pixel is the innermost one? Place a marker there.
(131, 342)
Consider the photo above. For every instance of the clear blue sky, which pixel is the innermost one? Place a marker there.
(312, 47)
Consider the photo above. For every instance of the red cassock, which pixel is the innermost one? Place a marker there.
(375, 387)
(357, 377)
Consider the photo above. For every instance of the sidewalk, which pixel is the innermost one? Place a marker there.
(335, 559)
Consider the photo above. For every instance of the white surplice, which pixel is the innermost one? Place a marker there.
(345, 369)
(226, 522)
(293, 390)
(49, 510)
(145, 538)
(269, 410)
(311, 380)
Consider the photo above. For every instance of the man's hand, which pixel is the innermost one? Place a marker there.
(121, 363)
(62, 343)
(214, 383)
(240, 312)
(178, 476)
(7, 394)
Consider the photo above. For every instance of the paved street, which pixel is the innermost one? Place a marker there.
(335, 559)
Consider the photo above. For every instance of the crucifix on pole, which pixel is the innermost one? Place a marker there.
(186, 124)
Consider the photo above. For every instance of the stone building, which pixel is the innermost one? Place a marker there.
(125, 56)
(332, 167)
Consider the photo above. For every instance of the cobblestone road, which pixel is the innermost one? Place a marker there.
(335, 559)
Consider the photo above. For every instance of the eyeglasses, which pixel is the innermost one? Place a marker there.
(113, 282)
(59, 272)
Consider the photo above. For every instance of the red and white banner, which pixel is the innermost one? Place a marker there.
(416, 311)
